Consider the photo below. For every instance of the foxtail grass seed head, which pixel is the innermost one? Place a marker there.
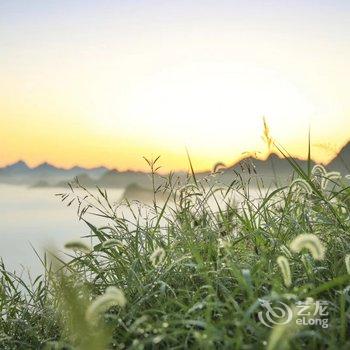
(218, 167)
(301, 183)
(157, 256)
(347, 263)
(118, 293)
(283, 264)
(78, 245)
(318, 169)
(318, 172)
(311, 242)
(110, 243)
(286, 251)
(266, 135)
(333, 175)
(113, 296)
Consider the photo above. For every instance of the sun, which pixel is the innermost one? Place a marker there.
(210, 108)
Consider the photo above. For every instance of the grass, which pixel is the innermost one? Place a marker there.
(193, 269)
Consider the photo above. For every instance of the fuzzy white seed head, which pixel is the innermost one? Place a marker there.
(157, 256)
(113, 296)
(318, 172)
(286, 251)
(218, 167)
(302, 184)
(78, 245)
(318, 169)
(118, 293)
(347, 263)
(333, 175)
(311, 242)
(283, 264)
(109, 243)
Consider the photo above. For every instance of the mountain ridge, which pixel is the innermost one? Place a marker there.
(46, 174)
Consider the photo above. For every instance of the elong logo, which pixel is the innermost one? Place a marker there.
(304, 313)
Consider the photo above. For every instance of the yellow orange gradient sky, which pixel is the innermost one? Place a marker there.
(105, 83)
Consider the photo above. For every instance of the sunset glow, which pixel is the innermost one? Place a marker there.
(105, 83)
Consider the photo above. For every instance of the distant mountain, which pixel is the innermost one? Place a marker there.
(17, 168)
(276, 167)
(270, 167)
(273, 167)
(342, 161)
(136, 192)
(83, 179)
(18, 173)
(46, 174)
(21, 173)
(112, 179)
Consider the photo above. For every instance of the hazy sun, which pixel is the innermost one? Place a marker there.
(206, 106)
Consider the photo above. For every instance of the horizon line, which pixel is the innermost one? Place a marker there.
(245, 155)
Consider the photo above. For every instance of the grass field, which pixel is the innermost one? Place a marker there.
(202, 271)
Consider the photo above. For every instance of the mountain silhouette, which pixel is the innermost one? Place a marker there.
(17, 168)
(21, 173)
(342, 161)
(47, 174)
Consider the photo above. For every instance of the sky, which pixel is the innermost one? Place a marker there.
(108, 82)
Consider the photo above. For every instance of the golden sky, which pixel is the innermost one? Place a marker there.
(105, 83)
